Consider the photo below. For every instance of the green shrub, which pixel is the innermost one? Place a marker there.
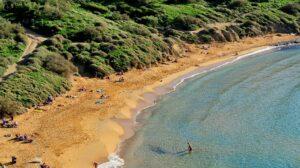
(94, 7)
(206, 38)
(249, 23)
(139, 2)
(185, 22)
(52, 12)
(292, 9)
(259, 0)
(59, 65)
(180, 1)
(117, 16)
(218, 2)
(9, 107)
(1, 5)
(150, 21)
(238, 3)
(135, 28)
(88, 34)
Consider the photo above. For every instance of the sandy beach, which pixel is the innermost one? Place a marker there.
(77, 129)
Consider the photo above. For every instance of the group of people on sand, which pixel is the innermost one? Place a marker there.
(14, 161)
(9, 123)
(23, 138)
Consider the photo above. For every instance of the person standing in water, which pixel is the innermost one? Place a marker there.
(190, 149)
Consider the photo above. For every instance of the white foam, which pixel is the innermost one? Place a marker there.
(114, 161)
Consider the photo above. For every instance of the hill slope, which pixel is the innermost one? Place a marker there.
(101, 37)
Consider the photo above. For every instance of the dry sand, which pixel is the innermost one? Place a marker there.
(75, 132)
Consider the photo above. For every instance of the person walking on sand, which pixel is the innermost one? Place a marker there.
(13, 160)
(95, 164)
(190, 149)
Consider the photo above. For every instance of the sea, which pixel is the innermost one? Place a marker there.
(242, 114)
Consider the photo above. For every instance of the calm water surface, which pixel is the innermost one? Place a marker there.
(245, 115)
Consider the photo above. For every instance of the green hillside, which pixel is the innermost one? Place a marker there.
(107, 36)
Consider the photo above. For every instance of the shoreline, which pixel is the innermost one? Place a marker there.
(75, 132)
(150, 98)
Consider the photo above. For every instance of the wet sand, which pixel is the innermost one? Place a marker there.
(75, 132)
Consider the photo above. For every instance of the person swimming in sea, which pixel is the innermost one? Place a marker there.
(190, 149)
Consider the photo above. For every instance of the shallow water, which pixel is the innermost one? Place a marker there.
(244, 115)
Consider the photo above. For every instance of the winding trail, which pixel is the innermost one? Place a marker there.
(33, 40)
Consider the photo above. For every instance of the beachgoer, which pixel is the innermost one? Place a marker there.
(82, 89)
(13, 160)
(14, 124)
(44, 165)
(49, 100)
(4, 121)
(121, 79)
(189, 147)
(95, 164)
(28, 141)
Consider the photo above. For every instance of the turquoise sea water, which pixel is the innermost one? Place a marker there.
(244, 115)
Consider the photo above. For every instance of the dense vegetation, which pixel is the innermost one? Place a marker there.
(100, 37)
(12, 43)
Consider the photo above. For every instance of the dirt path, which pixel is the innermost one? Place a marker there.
(33, 40)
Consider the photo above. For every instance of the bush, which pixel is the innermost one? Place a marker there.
(59, 65)
(249, 23)
(94, 7)
(139, 2)
(23, 10)
(9, 108)
(217, 2)
(135, 28)
(238, 3)
(1, 5)
(88, 34)
(185, 22)
(150, 21)
(180, 1)
(52, 12)
(259, 0)
(205, 38)
(117, 16)
(292, 9)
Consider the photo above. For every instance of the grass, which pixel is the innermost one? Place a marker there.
(29, 92)
(12, 44)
